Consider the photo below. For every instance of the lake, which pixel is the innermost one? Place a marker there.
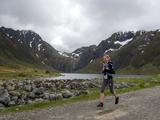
(71, 76)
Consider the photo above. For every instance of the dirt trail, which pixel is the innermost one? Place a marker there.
(139, 105)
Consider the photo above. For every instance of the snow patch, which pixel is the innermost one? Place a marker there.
(37, 55)
(109, 41)
(75, 54)
(63, 54)
(123, 42)
(7, 35)
(43, 62)
(110, 50)
(30, 44)
(39, 46)
(142, 51)
(91, 61)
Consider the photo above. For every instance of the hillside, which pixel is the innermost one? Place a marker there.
(141, 55)
(26, 48)
(132, 52)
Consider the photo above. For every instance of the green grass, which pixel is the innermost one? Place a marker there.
(146, 82)
(25, 72)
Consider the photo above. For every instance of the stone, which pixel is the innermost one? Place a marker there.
(14, 93)
(1, 105)
(28, 88)
(31, 95)
(38, 100)
(84, 92)
(59, 96)
(14, 98)
(46, 96)
(10, 87)
(52, 96)
(39, 91)
(4, 97)
(67, 94)
(76, 93)
(12, 103)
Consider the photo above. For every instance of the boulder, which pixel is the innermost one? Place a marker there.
(59, 96)
(38, 100)
(14, 98)
(28, 88)
(1, 105)
(76, 93)
(39, 91)
(67, 94)
(31, 95)
(14, 93)
(12, 103)
(46, 96)
(84, 92)
(10, 87)
(4, 96)
(52, 96)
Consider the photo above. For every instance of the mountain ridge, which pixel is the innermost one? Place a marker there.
(26, 46)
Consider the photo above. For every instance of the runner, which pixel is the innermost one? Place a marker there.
(108, 72)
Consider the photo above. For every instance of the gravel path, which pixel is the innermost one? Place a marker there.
(139, 105)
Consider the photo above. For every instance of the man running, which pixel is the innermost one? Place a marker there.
(108, 72)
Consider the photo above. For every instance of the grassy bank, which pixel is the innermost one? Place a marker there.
(25, 72)
(142, 83)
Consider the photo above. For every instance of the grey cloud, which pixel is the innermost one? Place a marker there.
(69, 24)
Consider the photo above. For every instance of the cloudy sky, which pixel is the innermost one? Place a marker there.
(70, 24)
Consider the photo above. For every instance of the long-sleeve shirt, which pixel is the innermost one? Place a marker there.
(108, 70)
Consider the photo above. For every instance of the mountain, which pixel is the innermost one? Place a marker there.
(138, 53)
(132, 52)
(27, 47)
(115, 42)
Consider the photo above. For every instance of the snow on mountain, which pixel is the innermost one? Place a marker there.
(39, 46)
(109, 50)
(63, 54)
(123, 42)
(30, 44)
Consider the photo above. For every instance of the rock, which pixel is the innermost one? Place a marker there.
(14, 98)
(59, 96)
(20, 85)
(39, 91)
(76, 93)
(1, 105)
(38, 100)
(52, 96)
(4, 97)
(84, 92)
(31, 95)
(29, 102)
(10, 88)
(28, 88)
(67, 94)
(20, 101)
(12, 103)
(46, 96)
(14, 93)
